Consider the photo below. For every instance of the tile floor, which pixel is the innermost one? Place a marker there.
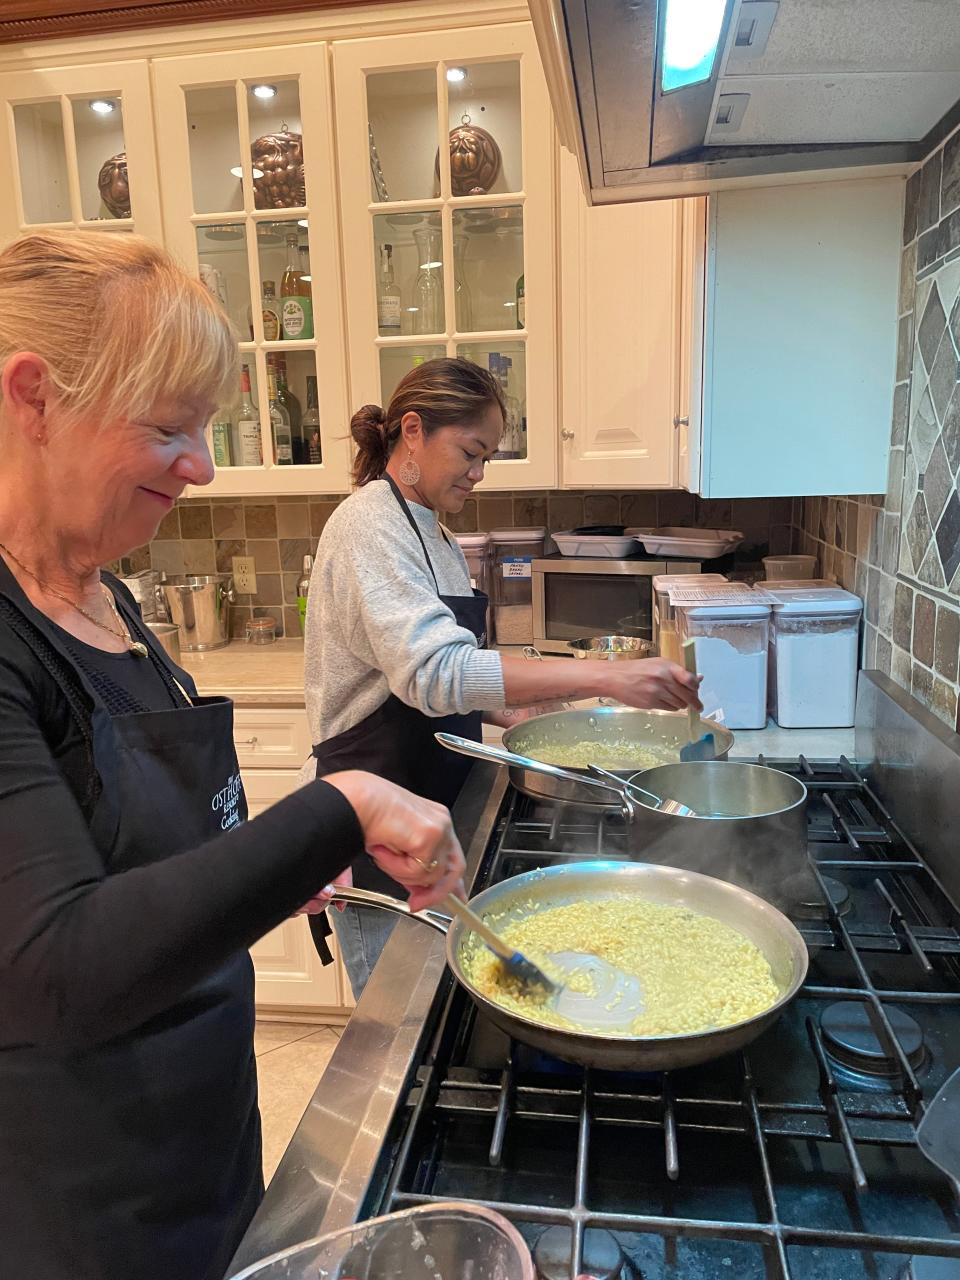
(291, 1057)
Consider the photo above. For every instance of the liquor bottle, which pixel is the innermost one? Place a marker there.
(521, 304)
(271, 312)
(289, 401)
(248, 425)
(311, 423)
(280, 425)
(515, 407)
(303, 589)
(222, 431)
(296, 301)
(388, 294)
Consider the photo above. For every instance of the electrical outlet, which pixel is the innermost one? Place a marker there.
(245, 575)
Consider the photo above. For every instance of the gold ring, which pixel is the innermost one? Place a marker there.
(427, 866)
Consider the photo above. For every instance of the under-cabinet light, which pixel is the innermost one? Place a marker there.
(456, 74)
(690, 42)
(264, 90)
(103, 106)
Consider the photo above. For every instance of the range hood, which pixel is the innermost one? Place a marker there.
(663, 98)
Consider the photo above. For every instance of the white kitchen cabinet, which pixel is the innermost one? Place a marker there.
(239, 225)
(55, 145)
(621, 307)
(799, 332)
(458, 248)
(289, 976)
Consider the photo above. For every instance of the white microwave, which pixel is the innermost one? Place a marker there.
(575, 597)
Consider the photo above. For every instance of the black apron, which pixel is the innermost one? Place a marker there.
(396, 742)
(140, 1158)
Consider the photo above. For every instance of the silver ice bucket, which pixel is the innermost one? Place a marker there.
(199, 604)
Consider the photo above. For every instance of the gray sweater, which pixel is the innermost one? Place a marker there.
(375, 625)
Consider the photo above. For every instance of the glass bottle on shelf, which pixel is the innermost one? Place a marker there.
(222, 432)
(248, 425)
(429, 287)
(464, 311)
(388, 294)
(311, 423)
(271, 312)
(288, 401)
(521, 304)
(515, 408)
(280, 425)
(296, 301)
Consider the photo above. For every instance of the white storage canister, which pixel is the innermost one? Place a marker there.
(814, 643)
(664, 622)
(476, 552)
(732, 642)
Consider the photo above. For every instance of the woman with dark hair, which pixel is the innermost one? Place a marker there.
(395, 647)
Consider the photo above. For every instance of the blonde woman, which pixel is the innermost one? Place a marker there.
(130, 886)
(395, 645)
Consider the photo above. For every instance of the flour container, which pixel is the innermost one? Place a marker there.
(514, 551)
(814, 644)
(731, 639)
(664, 619)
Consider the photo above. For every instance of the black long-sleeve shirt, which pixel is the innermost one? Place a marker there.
(86, 956)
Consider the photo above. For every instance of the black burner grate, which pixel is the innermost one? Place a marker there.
(776, 1162)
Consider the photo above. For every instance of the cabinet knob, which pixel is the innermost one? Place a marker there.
(247, 742)
(566, 435)
(681, 422)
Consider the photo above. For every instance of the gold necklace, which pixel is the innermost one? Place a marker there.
(134, 646)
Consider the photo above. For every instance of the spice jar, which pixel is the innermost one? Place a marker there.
(261, 631)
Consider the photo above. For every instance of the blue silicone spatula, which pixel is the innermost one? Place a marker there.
(704, 746)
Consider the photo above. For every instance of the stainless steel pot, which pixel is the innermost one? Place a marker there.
(199, 604)
(610, 648)
(663, 732)
(537, 890)
(168, 634)
(749, 826)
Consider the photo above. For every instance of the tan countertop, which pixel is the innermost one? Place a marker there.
(272, 675)
(253, 675)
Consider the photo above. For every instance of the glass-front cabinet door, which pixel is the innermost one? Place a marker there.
(446, 147)
(249, 203)
(77, 150)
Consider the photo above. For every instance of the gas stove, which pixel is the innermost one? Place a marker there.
(796, 1159)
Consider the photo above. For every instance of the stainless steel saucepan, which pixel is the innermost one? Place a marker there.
(583, 882)
(641, 739)
(745, 823)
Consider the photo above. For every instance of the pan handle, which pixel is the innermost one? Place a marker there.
(367, 898)
(500, 755)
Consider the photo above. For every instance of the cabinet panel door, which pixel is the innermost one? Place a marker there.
(801, 333)
(286, 966)
(249, 201)
(269, 738)
(78, 150)
(621, 310)
(447, 174)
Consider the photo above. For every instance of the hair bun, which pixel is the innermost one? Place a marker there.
(368, 426)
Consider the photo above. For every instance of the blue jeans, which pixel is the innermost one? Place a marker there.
(362, 933)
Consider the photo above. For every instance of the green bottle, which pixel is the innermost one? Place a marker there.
(521, 304)
(303, 589)
(222, 432)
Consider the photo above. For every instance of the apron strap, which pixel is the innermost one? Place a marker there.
(413, 525)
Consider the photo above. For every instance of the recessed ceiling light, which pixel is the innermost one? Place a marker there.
(103, 106)
(456, 74)
(238, 172)
(264, 90)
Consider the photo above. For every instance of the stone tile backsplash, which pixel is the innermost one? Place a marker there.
(202, 535)
(901, 551)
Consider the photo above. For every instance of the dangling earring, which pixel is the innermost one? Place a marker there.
(409, 472)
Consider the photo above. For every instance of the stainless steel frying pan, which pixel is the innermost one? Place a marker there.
(582, 882)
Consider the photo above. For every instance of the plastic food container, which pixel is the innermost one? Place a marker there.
(695, 544)
(814, 648)
(601, 546)
(439, 1242)
(732, 640)
(514, 551)
(664, 619)
(476, 552)
(780, 568)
